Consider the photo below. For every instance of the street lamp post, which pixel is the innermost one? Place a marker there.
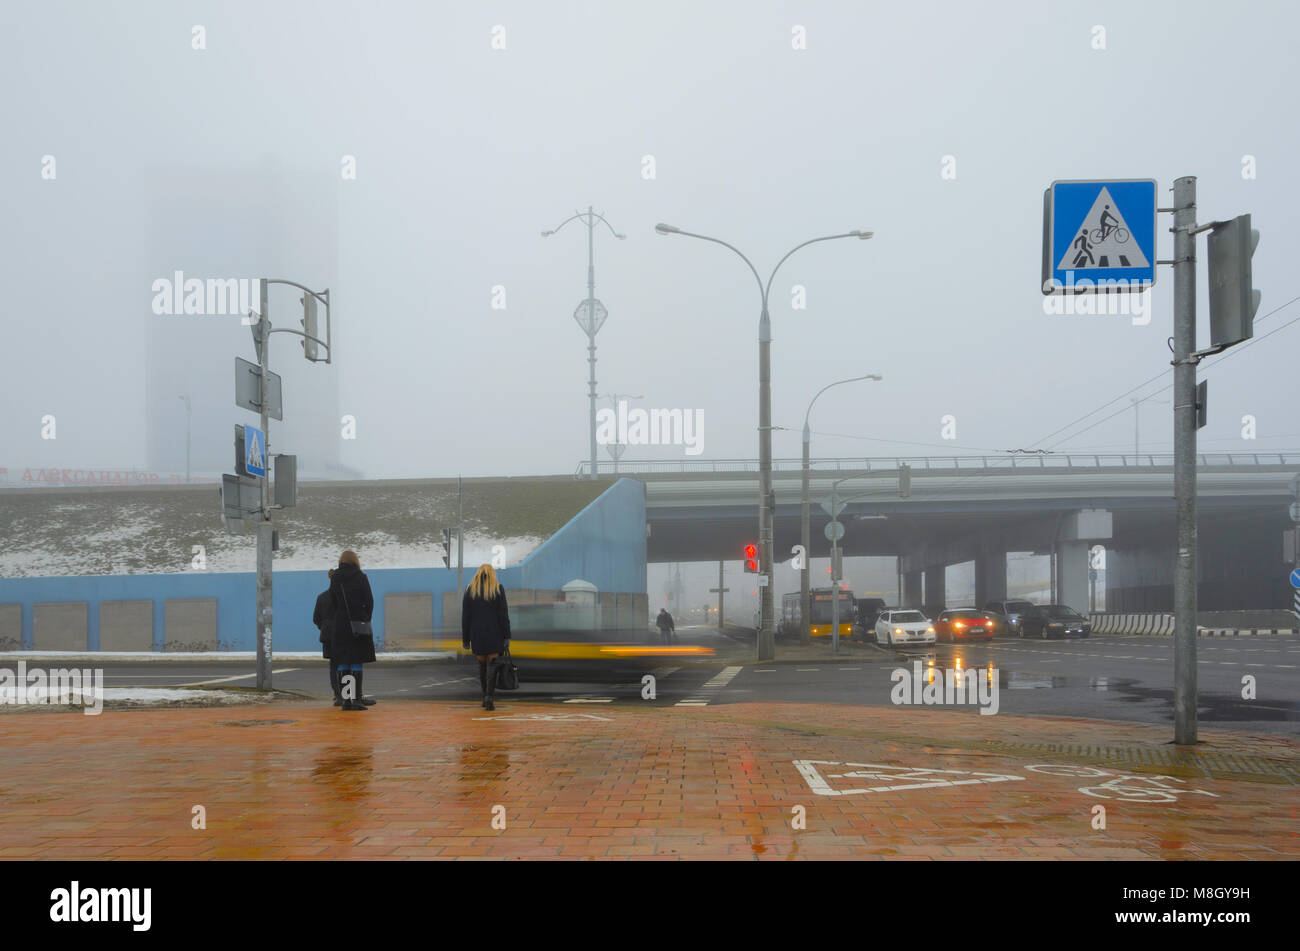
(186, 399)
(616, 448)
(591, 320)
(766, 633)
(805, 599)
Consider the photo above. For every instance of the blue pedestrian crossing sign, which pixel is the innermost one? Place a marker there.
(255, 451)
(1295, 578)
(1099, 236)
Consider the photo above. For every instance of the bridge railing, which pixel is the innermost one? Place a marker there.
(1011, 460)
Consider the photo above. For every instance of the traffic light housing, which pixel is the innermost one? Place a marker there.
(751, 559)
(311, 349)
(904, 481)
(446, 544)
(1233, 298)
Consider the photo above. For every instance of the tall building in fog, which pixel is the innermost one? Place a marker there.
(259, 220)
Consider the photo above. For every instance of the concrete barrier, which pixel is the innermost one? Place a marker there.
(1162, 625)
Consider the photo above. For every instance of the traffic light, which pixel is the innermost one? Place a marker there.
(904, 481)
(311, 349)
(751, 558)
(1233, 298)
(446, 544)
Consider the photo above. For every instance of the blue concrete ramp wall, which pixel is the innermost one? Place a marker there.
(604, 544)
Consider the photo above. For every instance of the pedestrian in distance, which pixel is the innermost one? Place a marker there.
(485, 627)
(352, 605)
(666, 626)
(323, 618)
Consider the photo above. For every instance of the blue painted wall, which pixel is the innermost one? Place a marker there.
(605, 544)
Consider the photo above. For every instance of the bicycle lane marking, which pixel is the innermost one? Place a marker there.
(1124, 787)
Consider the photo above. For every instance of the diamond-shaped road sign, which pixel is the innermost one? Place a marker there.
(582, 316)
(826, 507)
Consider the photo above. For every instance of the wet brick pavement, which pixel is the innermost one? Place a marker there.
(412, 779)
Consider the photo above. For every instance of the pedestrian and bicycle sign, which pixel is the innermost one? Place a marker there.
(1099, 235)
(254, 451)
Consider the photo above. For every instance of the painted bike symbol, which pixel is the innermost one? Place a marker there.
(1141, 789)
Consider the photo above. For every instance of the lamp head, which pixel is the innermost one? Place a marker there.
(863, 235)
(666, 229)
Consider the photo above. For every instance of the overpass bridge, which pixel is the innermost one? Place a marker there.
(979, 508)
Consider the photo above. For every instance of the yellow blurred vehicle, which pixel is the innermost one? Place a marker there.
(822, 606)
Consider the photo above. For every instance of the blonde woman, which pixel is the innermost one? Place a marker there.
(485, 627)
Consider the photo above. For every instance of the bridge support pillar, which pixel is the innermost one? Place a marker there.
(911, 590)
(990, 578)
(1072, 575)
(934, 589)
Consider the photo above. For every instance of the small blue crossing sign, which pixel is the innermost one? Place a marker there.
(1295, 578)
(1099, 235)
(255, 451)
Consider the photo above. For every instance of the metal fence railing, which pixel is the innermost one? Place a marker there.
(1034, 461)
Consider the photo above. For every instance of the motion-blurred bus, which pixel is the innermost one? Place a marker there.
(822, 606)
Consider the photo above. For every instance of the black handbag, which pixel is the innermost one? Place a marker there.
(507, 672)
(359, 628)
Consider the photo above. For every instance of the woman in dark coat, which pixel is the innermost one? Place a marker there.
(323, 618)
(485, 627)
(351, 600)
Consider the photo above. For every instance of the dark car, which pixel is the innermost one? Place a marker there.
(1054, 620)
(1008, 613)
(963, 624)
(868, 613)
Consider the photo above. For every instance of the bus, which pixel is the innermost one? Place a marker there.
(791, 622)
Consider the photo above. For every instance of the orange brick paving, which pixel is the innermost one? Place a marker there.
(419, 780)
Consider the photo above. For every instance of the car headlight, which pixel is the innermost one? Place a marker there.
(929, 630)
(898, 630)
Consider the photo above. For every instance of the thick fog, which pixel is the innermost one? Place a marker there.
(408, 156)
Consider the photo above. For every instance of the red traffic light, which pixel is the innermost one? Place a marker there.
(751, 551)
(751, 559)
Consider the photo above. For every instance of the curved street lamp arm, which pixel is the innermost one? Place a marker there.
(581, 214)
(754, 270)
(829, 237)
(609, 226)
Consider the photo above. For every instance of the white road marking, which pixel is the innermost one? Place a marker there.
(547, 716)
(893, 776)
(702, 696)
(226, 680)
(724, 678)
(661, 672)
(590, 700)
(848, 668)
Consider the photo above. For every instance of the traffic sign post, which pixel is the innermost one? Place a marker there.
(1100, 236)
(1295, 583)
(258, 390)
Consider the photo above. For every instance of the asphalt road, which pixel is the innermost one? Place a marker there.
(1110, 678)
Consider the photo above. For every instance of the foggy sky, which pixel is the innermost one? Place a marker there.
(464, 154)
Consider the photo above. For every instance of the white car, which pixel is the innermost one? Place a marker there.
(904, 627)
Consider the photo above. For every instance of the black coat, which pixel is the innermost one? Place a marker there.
(323, 618)
(350, 600)
(485, 623)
